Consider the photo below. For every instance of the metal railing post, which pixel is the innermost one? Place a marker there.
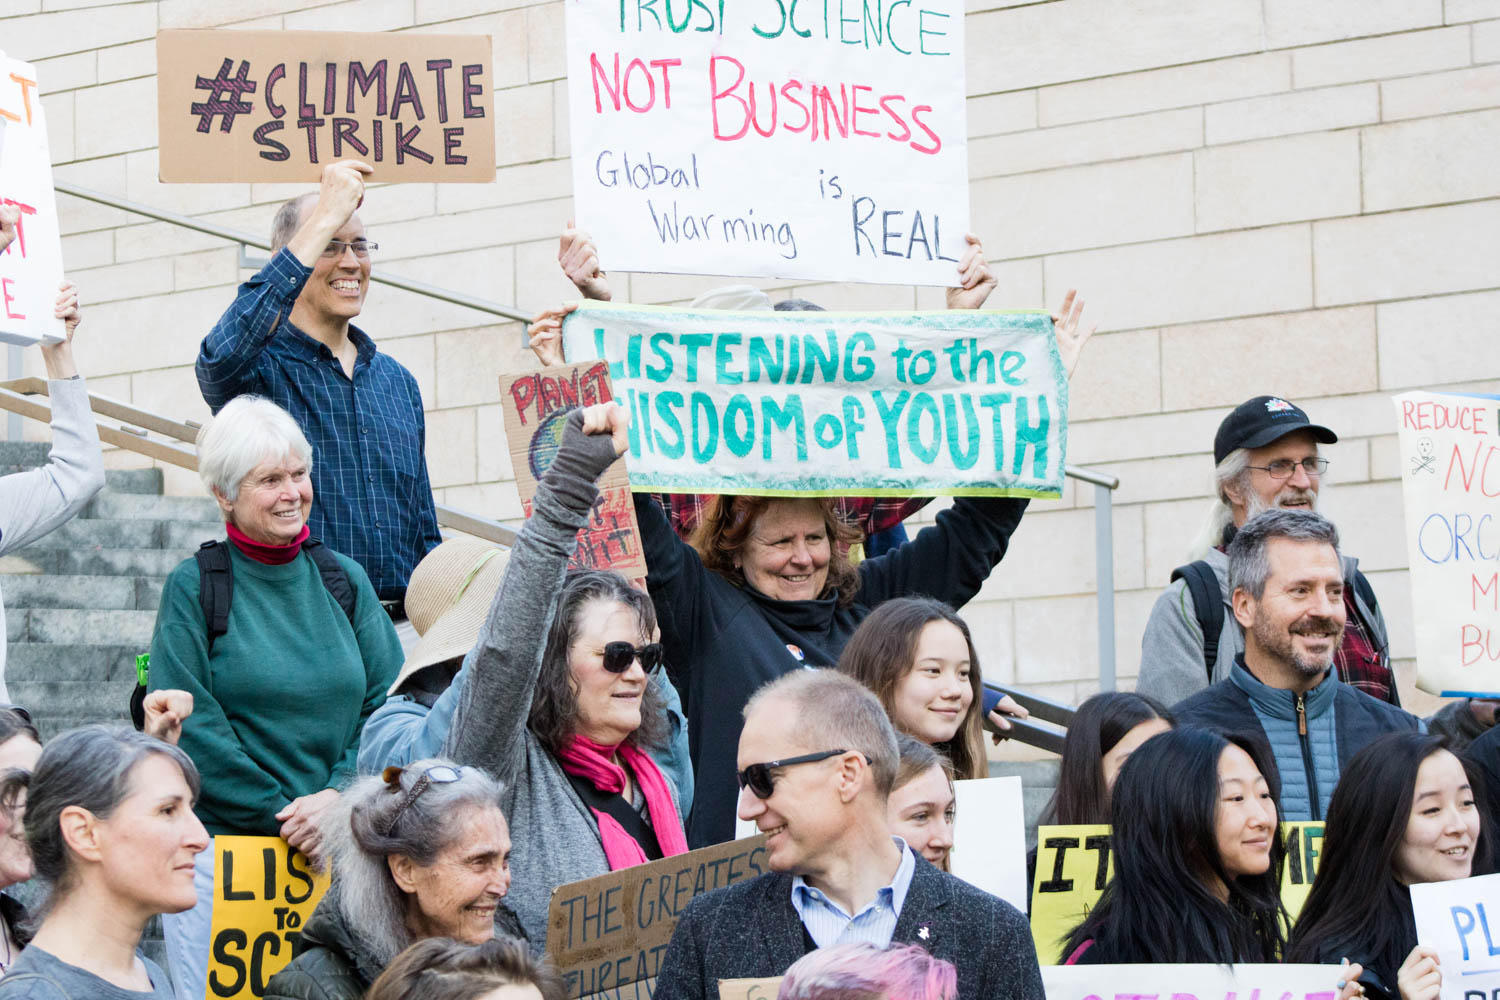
(1104, 569)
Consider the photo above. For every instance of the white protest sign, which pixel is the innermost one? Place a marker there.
(31, 267)
(989, 837)
(959, 403)
(1450, 485)
(827, 141)
(1190, 982)
(1461, 919)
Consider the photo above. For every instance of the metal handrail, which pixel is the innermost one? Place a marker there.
(132, 436)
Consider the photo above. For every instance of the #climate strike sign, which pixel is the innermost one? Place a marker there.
(280, 105)
(960, 403)
(1450, 483)
(771, 137)
(31, 267)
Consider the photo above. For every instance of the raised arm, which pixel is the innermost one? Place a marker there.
(500, 673)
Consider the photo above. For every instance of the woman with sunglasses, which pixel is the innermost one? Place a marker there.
(418, 852)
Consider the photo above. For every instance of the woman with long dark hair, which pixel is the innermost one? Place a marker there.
(1406, 810)
(1105, 731)
(1197, 857)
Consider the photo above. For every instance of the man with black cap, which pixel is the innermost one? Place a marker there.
(1266, 457)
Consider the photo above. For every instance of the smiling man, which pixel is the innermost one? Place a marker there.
(816, 761)
(288, 337)
(1265, 458)
(1287, 594)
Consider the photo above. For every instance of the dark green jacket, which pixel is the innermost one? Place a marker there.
(331, 963)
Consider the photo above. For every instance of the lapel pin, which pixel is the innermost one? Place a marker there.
(924, 932)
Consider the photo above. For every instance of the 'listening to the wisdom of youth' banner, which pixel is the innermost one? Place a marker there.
(961, 403)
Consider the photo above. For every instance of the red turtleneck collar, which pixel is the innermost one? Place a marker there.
(271, 555)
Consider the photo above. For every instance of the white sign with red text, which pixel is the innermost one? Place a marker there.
(31, 267)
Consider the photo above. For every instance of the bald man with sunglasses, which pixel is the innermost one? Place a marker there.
(816, 762)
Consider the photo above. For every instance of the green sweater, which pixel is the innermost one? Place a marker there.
(279, 705)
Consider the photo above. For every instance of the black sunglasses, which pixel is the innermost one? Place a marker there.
(762, 782)
(618, 656)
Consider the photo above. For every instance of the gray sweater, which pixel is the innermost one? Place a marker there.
(554, 836)
(35, 502)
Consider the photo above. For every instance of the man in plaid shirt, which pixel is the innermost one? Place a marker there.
(288, 337)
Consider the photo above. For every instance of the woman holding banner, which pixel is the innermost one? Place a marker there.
(1406, 810)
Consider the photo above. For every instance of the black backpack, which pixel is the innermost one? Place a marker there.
(1208, 604)
(216, 594)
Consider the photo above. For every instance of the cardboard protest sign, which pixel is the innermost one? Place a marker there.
(958, 403)
(607, 934)
(280, 105)
(749, 989)
(759, 139)
(1189, 982)
(1450, 485)
(263, 893)
(536, 408)
(1074, 864)
(31, 267)
(1461, 920)
(989, 837)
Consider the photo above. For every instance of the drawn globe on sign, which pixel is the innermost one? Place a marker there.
(545, 442)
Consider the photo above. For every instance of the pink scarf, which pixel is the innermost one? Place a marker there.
(591, 761)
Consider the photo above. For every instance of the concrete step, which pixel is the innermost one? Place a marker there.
(81, 663)
(135, 506)
(97, 560)
(133, 481)
(127, 533)
(45, 591)
(71, 625)
(98, 702)
(190, 534)
(16, 456)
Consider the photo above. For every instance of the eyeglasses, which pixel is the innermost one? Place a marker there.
(618, 656)
(762, 782)
(437, 774)
(361, 248)
(1285, 468)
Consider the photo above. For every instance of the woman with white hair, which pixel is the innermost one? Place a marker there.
(284, 647)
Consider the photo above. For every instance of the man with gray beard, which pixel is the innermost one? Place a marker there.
(1266, 458)
(1287, 595)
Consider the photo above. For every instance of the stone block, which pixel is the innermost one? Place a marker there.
(546, 49)
(1402, 255)
(429, 11)
(1440, 93)
(450, 446)
(172, 392)
(416, 355)
(1385, 457)
(194, 14)
(1170, 87)
(1154, 480)
(1053, 555)
(177, 322)
(1431, 161)
(1189, 280)
(1348, 461)
(138, 241)
(1380, 58)
(992, 627)
(996, 114)
(497, 501)
(1393, 591)
(1455, 11)
(1090, 142)
(19, 8)
(142, 170)
(1370, 520)
(1078, 207)
(1299, 355)
(126, 62)
(88, 249)
(492, 460)
(123, 281)
(1433, 342)
(369, 15)
(469, 363)
(562, 134)
(1018, 285)
(1285, 114)
(1291, 22)
(115, 118)
(1118, 374)
(60, 126)
(40, 36)
(1277, 180)
(1486, 43)
(206, 269)
(484, 273)
(508, 41)
(523, 124)
(69, 72)
(1057, 43)
(546, 180)
(545, 284)
(1172, 528)
(1100, 444)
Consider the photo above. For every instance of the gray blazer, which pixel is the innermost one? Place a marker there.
(750, 930)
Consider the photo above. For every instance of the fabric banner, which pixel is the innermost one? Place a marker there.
(280, 105)
(263, 893)
(958, 403)
(1190, 982)
(765, 139)
(1450, 485)
(31, 267)
(1461, 920)
(1074, 864)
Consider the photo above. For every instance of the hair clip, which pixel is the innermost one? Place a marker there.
(392, 776)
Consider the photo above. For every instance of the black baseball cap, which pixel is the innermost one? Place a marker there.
(1259, 421)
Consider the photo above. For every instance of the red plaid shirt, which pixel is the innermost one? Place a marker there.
(871, 515)
(1359, 663)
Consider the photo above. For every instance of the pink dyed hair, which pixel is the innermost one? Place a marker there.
(865, 972)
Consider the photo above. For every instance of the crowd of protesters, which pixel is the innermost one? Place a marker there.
(458, 731)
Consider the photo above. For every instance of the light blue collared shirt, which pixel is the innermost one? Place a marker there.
(827, 923)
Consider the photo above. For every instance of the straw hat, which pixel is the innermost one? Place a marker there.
(447, 599)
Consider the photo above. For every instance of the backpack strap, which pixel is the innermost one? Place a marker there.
(335, 580)
(614, 805)
(215, 587)
(1208, 605)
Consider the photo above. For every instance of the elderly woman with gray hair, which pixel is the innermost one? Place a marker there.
(284, 647)
(418, 852)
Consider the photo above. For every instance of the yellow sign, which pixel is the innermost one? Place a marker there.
(1074, 864)
(263, 893)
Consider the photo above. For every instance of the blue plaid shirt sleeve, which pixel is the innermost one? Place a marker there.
(228, 356)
